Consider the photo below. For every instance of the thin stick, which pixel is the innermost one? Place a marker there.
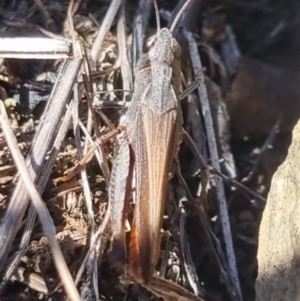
(43, 213)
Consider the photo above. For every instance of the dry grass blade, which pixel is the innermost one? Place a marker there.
(43, 213)
(105, 26)
(125, 66)
(33, 48)
(93, 121)
(140, 24)
(95, 239)
(92, 272)
(84, 176)
(44, 136)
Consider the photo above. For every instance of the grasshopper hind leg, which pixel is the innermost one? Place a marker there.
(119, 194)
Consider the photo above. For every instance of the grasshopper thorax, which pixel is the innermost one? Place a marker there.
(164, 47)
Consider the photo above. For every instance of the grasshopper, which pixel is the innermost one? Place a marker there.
(145, 151)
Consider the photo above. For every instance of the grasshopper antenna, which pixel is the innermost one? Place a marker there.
(157, 15)
(180, 14)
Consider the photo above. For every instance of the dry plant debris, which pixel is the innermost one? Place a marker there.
(64, 102)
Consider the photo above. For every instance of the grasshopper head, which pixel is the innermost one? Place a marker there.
(164, 47)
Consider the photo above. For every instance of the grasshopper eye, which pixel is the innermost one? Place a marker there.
(149, 42)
